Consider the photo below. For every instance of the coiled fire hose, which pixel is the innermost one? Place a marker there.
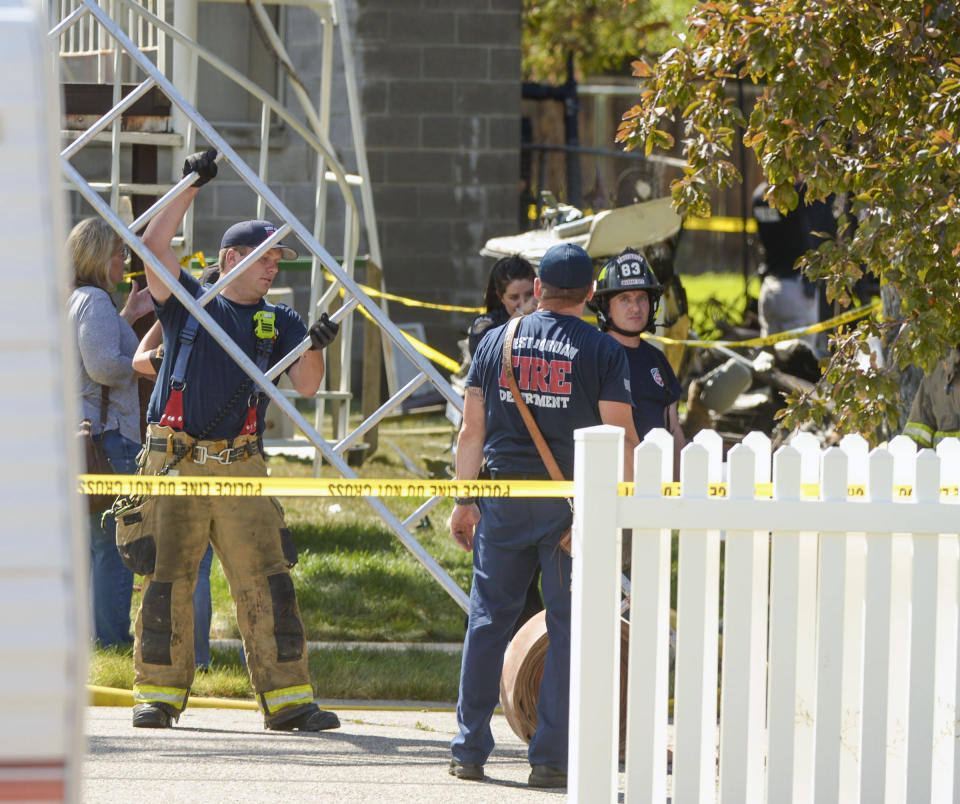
(523, 670)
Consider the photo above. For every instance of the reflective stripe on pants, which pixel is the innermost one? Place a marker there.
(275, 700)
(144, 693)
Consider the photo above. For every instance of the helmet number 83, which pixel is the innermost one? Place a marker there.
(632, 268)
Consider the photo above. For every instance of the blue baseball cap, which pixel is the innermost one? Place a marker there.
(253, 233)
(566, 265)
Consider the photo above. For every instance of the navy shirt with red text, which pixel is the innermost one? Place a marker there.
(564, 367)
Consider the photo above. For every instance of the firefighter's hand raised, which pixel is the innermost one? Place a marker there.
(203, 163)
(323, 332)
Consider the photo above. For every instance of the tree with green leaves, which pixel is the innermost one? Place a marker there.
(605, 36)
(859, 98)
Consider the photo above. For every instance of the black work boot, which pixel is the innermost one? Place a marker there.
(154, 716)
(466, 770)
(547, 776)
(309, 718)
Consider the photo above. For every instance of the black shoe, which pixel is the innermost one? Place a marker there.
(466, 770)
(545, 776)
(154, 716)
(311, 719)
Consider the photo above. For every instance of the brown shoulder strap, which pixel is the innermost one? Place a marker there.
(539, 441)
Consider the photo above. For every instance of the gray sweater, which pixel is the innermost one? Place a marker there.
(105, 348)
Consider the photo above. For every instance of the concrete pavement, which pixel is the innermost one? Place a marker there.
(218, 756)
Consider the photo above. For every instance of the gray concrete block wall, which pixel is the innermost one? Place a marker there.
(441, 95)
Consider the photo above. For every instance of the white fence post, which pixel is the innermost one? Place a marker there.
(949, 452)
(809, 448)
(904, 451)
(663, 439)
(595, 616)
(839, 649)
(695, 679)
(791, 687)
(712, 441)
(760, 444)
(933, 655)
(743, 679)
(883, 775)
(646, 759)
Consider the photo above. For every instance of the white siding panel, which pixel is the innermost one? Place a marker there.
(44, 562)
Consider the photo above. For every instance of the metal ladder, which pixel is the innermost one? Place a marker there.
(122, 46)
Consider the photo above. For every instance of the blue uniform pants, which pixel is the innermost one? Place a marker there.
(202, 612)
(514, 537)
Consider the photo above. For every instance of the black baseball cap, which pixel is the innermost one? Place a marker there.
(253, 233)
(566, 265)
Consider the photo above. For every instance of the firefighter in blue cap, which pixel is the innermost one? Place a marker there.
(571, 376)
(206, 419)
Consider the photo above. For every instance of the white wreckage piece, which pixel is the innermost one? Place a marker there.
(602, 235)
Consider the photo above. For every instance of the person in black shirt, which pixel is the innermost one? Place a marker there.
(788, 300)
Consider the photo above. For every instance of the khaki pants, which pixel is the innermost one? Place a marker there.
(256, 552)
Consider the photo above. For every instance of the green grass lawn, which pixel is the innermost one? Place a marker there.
(711, 296)
(347, 673)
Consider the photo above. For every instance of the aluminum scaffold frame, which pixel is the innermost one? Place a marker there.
(354, 296)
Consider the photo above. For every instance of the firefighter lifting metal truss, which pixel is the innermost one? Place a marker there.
(354, 296)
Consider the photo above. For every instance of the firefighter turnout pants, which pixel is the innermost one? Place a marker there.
(256, 552)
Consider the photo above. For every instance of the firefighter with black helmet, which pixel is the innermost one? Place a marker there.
(625, 300)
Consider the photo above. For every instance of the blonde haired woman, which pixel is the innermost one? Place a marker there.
(105, 347)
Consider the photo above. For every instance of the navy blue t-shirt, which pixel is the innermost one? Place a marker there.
(564, 367)
(212, 377)
(654, 386)
(481, 324)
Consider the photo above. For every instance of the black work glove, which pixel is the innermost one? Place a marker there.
(323, 332)
(203, 163)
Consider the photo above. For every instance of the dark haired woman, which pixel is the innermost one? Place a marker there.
(509, 290)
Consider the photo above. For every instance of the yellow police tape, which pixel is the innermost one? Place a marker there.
(720, 224)
(453, 308)
(425, 349)
(823, 326)
(198, 256)
(429, 352)
(184, 263)
(452, 365)
(208, 486)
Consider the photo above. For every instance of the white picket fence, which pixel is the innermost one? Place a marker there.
(839, 623)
